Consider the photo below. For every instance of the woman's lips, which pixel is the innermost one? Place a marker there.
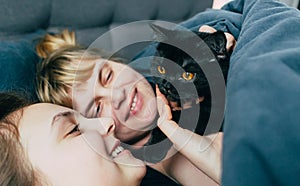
(136, 104)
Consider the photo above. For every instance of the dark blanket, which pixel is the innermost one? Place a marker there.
(261, 131)
(261, 140)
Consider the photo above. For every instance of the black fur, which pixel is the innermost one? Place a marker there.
(176, 62)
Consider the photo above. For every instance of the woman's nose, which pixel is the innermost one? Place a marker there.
(114, 95)
(118, 96)
(104, 126)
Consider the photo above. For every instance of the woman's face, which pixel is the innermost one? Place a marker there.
(67, 156)
(115, 90)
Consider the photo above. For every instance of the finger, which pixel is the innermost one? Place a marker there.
(178, 136)
(160, 105)
(163, 110)
(159, 94)
(231, 42)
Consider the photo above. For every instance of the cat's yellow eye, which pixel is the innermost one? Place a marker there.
(188, 75)
(161, 69)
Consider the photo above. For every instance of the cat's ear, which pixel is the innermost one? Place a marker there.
(160, 32)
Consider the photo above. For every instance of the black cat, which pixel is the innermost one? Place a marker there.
(181, 78)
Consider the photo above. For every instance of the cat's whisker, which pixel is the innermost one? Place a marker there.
(180, 77)
(212, 60)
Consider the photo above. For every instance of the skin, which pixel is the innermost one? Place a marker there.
(61, 153)
(110, 92)
(204, 152)
(217, 4)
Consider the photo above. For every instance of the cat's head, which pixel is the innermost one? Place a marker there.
(178, 75)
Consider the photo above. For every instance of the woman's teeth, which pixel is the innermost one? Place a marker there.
(117, 151)
(133, 103)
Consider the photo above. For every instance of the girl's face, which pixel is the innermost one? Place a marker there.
(67, 156)
(115, 90)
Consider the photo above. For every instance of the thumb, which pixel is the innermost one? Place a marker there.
(163, 108)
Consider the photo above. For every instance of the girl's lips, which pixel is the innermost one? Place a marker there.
(117, 143)
(123, 152)
(118, 150)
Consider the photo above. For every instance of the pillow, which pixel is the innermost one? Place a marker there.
(17, 67)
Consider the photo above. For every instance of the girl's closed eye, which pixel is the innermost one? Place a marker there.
(98, 109)
(106, 76)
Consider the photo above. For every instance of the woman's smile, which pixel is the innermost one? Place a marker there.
(136, 103)
(127, 97)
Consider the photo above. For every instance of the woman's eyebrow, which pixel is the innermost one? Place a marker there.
(59, 115)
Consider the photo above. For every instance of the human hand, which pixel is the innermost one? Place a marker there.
(217, 4)
(202, 151)
(231, 42)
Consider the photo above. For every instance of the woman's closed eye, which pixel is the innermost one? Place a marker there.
(74, 130)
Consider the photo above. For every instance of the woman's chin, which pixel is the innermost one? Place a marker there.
(134, 169)
(149, 113)
(125, 158)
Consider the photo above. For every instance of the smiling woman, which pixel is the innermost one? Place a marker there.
(49, 148)
(129, 101)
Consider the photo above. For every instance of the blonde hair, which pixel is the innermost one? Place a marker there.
(64, 63)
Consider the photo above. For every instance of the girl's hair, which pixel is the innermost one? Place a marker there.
(15, 168)
(64, 64)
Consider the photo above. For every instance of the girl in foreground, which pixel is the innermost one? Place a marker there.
(47, 144)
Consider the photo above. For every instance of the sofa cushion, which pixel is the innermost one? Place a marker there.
(81, 14)
(180, 10)
(21, 17)
(17, 67)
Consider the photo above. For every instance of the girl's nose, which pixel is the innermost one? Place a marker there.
(104, 126)
(98, 133)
